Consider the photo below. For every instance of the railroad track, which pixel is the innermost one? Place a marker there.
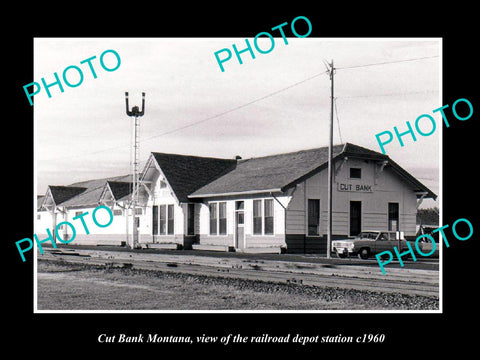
(403, 281)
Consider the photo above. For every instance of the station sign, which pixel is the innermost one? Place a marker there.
(354, 187)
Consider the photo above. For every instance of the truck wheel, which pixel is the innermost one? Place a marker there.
(364, 253)
(341, 256)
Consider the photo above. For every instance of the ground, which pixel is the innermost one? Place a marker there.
(66, 286)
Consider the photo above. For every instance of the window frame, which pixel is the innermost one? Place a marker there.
(359, 169)
(259, 216)
(389, 213)
(222, 221)
(155, 220)
(190, 219)
(213, 205)
(160, 220)
(263, 217)
(217, 219)
(168, 222)
(308, 218)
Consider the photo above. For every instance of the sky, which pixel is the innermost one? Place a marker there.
(278, 102)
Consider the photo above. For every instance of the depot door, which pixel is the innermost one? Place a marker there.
(239, 225)
(355, 217)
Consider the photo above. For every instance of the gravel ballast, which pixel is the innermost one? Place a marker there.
(232, 287)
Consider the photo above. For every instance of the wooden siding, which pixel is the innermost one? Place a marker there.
(374, 221)
(295, 221)
(386, 187)
(308, 244)
(409, 223)
(340, 222)
(305, 244)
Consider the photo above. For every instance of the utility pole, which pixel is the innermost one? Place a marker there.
(136, 113)
(331, 71)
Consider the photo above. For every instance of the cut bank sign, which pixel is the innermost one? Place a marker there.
(354, 187)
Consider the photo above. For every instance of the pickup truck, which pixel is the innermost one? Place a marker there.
(368, 243)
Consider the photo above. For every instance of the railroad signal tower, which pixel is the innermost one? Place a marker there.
(135, 113)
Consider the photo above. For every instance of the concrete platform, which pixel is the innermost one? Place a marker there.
(161, 246)
(423, 263)
(210, 247)
(263, 250)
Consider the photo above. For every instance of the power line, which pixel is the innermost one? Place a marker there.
(390, 94)
(199, 121)
(235, 108)
(253, 102)
(386, 62)
(338, 121)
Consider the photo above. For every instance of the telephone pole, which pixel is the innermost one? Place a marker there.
(331, 71)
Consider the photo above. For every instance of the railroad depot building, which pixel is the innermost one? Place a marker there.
(267, 204)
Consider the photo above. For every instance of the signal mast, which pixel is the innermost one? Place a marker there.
(136, 113)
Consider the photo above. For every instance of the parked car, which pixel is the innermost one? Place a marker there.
(426, 245)
(368, 243)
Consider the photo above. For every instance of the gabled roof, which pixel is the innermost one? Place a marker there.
(91, 196)
(197, 177)
(81, 194)
(40, 201)
(121, 190)
(186, 173)
(94, 183)
(61, 194)
(268, 173)
(279, 172)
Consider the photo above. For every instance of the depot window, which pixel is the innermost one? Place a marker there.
(257, 217)
(213, 218)
(313, 217)
(165, 224)
(218, 218)
(263, 219)
(355, 173)
(170, 222)
(155, 220)
(190, 219)
(393, 223)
